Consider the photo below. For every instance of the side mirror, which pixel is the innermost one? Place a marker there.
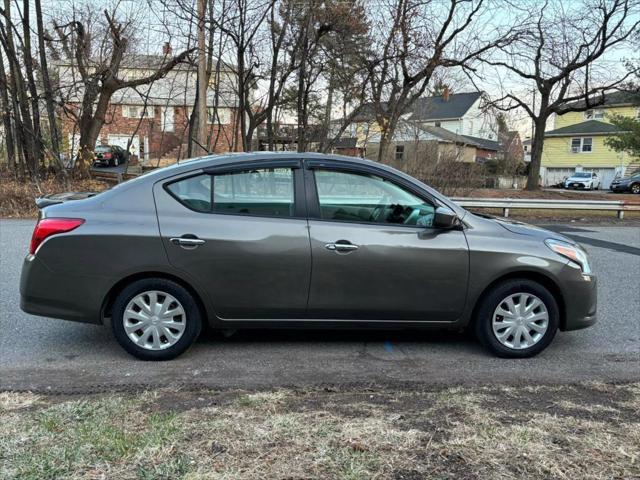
(445, 218)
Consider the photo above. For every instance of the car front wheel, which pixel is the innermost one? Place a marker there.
(155, 319)
(635, 188)
(517, 319)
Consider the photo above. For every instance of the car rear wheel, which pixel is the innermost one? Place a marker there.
(155, 319)
(517, 319)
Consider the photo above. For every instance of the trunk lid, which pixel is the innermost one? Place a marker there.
(58, 198)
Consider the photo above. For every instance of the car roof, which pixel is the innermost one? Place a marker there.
(252, 157)
(236, 158)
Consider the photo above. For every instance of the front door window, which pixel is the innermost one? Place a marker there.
(355, 197)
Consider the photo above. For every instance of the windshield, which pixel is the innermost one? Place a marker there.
(582, 175)
(103, 149)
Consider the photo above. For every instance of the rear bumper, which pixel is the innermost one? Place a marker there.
(580, 299)
(69, 297)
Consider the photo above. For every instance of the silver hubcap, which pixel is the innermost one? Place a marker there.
(520, 321)
(154, 320)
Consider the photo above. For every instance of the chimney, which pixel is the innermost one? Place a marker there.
(445, 93)
(166, 49)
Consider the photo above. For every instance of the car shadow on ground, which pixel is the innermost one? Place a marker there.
(258, 336)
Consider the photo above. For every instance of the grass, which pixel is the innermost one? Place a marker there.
(584, 431)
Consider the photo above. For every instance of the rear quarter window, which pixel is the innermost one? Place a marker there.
(193, 192)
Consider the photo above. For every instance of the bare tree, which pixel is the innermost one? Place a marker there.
(26, 139)
(413, 39)
(557, 56)
(100, 77)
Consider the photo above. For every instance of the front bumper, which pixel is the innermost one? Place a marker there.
(619, 188)
(577, 185)
(580, 293)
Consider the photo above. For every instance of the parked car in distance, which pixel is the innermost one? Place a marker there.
(298, 240)
(628, 184)
(109, 156)
(584, 180)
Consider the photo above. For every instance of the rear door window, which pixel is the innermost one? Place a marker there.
(263, 191)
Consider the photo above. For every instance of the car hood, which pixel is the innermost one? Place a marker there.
(521, 228)
(578, 179)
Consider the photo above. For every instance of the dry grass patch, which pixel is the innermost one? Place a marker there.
(584, 431)
(17, 199)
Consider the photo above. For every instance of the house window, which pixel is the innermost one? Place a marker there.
(582, 145)
(137, 111)
(597, 114)
(399, 152)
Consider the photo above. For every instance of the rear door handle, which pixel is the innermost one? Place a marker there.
(186, 242)
(341, 247)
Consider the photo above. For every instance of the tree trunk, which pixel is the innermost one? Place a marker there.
(90, 129)
(23, 123)
(387, 131)
(537, 144)
(6, 116)
(48, 93)
(31, 83)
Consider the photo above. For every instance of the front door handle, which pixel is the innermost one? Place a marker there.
(186, 241)
(341, 247)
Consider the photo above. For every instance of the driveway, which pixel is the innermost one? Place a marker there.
(51, 355)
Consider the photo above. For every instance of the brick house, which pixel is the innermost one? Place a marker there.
(152, 120)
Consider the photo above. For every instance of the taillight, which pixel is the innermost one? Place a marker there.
(52, 226)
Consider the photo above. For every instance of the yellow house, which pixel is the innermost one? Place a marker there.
(577, 142)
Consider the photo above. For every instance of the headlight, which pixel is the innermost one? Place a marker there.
(572, 252)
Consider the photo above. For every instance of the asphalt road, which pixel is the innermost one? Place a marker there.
(44, 354)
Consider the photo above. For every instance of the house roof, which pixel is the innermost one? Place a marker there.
(409, 132)
(612, 99)
(590, 127)
(437, 108)
(430, 108)
(484, 143)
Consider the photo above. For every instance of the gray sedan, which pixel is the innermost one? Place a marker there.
(297, 240)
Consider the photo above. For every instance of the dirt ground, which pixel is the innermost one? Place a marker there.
(586, 431)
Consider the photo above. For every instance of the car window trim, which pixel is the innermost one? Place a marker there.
(299, 203)
(313, 200)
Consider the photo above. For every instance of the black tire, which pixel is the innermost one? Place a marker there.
(193, 318)
(635, 188)
(491, 301)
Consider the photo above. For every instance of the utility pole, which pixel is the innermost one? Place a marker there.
(202, 82)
